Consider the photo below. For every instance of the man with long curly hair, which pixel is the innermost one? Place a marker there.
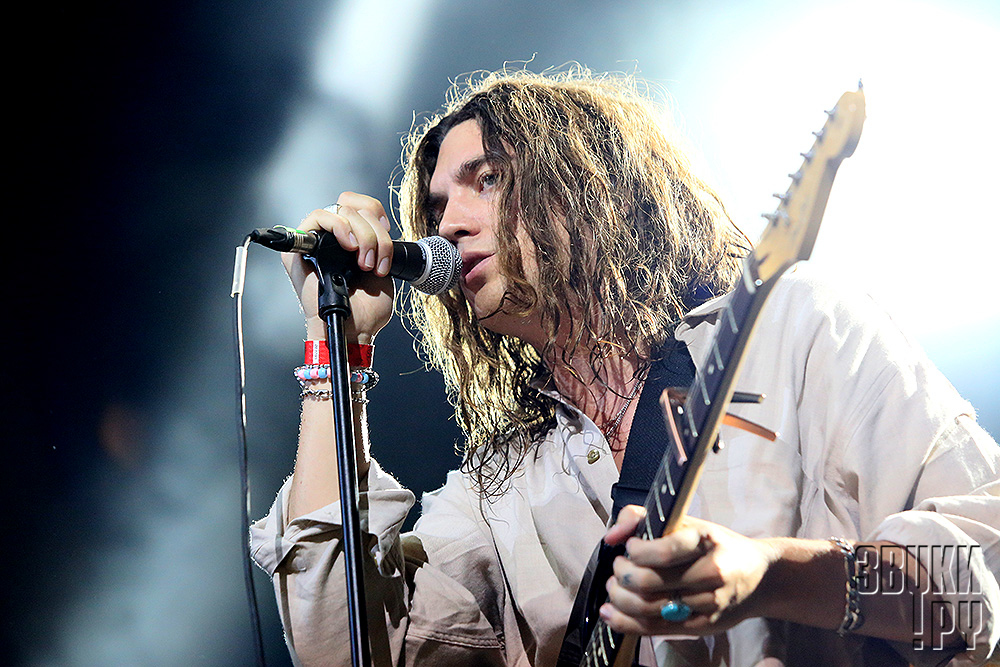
(594, 263)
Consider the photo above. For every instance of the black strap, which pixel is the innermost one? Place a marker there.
(647, 440)
(648, 437)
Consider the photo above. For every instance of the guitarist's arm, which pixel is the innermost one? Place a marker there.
(726, 578)
(909, 463)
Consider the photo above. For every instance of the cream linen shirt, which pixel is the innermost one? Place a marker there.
(874, 444)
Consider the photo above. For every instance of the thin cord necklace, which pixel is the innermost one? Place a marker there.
(621, 413)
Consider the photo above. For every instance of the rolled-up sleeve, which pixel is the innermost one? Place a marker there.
(956, 538)
(304, 561)
(271, 541)
(897, 455)
(433, 596)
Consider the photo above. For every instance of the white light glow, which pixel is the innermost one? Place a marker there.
(911, 214)
(369, 51)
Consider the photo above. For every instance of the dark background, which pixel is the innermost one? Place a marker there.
(149, 139)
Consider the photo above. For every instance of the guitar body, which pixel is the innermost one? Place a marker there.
(693, 426)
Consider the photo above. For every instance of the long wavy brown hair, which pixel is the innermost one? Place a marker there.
(581, 157)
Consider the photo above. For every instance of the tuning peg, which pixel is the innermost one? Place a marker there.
(773, 218)
(808, 155)
(796, 177)
(831, 112)
(819, 135)
(781, 197)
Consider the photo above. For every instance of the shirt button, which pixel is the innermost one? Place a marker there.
(592, 456)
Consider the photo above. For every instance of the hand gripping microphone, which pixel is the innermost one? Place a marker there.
(432, 265)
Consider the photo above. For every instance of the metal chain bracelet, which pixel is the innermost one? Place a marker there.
(853, 618)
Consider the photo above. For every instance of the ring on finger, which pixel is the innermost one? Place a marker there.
(675, 611)
(332, 208)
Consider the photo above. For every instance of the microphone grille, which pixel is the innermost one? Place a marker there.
(444, 266)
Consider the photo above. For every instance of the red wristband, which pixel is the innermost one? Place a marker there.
(358, 356)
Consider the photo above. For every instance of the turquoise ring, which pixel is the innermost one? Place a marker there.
(675, 611)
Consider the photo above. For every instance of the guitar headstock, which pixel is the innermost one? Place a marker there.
(792, 229)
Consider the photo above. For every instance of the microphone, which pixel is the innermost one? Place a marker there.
(432, 265)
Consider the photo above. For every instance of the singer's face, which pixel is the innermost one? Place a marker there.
(463, 192)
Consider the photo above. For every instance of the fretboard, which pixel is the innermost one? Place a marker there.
(698, 427)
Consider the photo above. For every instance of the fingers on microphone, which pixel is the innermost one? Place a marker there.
(383, 253)
(359, 223)
(324, 219)
(370, 205)
(340, 225)
(364, 237)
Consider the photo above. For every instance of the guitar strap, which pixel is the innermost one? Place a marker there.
(648, 436)
(672, 367)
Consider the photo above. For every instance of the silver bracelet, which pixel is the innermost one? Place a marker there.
(320, 394)
(326, 394)
(853, 618)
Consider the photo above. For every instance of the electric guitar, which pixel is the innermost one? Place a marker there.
(693, 417)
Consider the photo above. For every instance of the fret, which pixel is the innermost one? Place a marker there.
(748, 282)
(670, 482)
(705, 398)
(600, 648)
(692, 429)
(659, 507)
(719, 363)
(732, 320)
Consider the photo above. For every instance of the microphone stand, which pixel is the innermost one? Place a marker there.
(334, 270)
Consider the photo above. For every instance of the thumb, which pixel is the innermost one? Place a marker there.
(624, 528)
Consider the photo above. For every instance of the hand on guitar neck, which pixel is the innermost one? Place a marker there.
(714, 571)
(724, 578)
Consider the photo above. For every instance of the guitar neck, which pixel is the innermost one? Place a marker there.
(704, 407)
(705, 404)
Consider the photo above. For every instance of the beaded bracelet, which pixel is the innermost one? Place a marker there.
(853, 618)
(364, 378)
(312, 372)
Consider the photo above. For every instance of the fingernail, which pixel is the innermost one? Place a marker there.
(385, 222)
(352, 239)
(605, 611)
(383, 266)
(370, 259)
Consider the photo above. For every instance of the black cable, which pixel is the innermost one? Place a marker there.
(237, 294)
